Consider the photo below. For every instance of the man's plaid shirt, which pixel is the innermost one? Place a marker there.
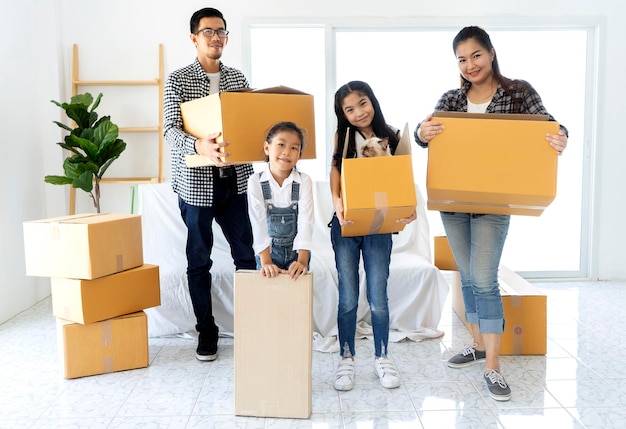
(522, 98)
(195, 185)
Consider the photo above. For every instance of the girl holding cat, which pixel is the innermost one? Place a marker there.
(359, 118)
(280, 206)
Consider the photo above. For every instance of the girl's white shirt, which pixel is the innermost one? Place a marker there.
(281, 197)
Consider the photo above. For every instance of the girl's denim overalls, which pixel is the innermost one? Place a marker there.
(282, 225)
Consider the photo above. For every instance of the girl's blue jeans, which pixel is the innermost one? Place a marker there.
(477, 242)
(376, 251)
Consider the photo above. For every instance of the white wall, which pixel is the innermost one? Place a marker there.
(29, 80)
(118, 39)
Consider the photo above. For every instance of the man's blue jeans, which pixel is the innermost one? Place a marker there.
(477, 242)
(376, 250)
(230, 211)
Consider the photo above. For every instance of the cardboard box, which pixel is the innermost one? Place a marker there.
(492, 165)
(88, 301)
(444, 258)
(525, 313)
(376, 192)
(525, 306)
(273, 345)
(102, 347)
(244, 117)
(376, 201)
(84, 246)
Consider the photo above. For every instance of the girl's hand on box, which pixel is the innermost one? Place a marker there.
(409, 219)
(338, 203)
(271, 270)
(296, 269)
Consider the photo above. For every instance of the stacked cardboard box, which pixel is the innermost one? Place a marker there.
(100, 287)
(525, 306)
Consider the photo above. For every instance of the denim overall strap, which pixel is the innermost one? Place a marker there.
(282, 225)
(267, 191)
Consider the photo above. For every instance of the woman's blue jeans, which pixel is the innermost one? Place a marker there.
(376, 250)
(477, 242)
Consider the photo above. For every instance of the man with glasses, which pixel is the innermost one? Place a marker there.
(207, 193)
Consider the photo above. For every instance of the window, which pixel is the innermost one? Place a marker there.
(409, 69)
(296, 59)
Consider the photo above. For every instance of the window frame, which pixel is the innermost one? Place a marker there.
(591, 25)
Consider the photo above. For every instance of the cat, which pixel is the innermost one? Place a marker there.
(374, 146)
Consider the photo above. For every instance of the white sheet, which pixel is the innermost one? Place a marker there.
(416, 288)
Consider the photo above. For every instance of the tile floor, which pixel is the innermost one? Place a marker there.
(580, 383)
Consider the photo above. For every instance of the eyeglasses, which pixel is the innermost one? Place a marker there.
(209, 32)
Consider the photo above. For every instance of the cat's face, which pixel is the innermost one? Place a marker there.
(372, 147)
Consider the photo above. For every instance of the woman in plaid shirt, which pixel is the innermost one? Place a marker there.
(477, 239)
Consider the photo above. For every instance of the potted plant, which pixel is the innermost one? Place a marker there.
(93, 143)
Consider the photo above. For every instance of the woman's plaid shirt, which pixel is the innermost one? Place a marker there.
(195, 185)
(522, 98)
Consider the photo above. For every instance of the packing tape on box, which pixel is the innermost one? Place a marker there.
(108, 364)
(380, 212)
(518, 339)
(518, 330)
(119, 262)
(54, 230)
(106, 333)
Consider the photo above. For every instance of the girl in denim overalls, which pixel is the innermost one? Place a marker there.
(358, 118)
(280, 206)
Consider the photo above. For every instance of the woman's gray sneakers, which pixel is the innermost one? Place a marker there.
(466, 357)
(498, 388)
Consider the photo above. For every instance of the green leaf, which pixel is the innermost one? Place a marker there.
(84, 182)
(106, 132)
(111, 151)
(70, 148)
(62, 126)
(78, 114)
(93, 117)
(58, 180)
(96, 103)
(74, 166)
(82, 99)
(91, 149)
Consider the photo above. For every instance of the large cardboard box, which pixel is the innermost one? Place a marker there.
(98, 348)
(273, 345)
(443, 256)
(83, 246)
(244, 117)
(88, 301)
(525, 313)
(525, 306)
(376, 192)
(493, 165)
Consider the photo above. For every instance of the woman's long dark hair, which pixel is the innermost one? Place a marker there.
(379, 125)
(482, 38)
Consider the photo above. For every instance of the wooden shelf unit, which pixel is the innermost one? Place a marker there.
(159, 81)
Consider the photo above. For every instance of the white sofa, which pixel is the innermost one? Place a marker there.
(416, 288)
